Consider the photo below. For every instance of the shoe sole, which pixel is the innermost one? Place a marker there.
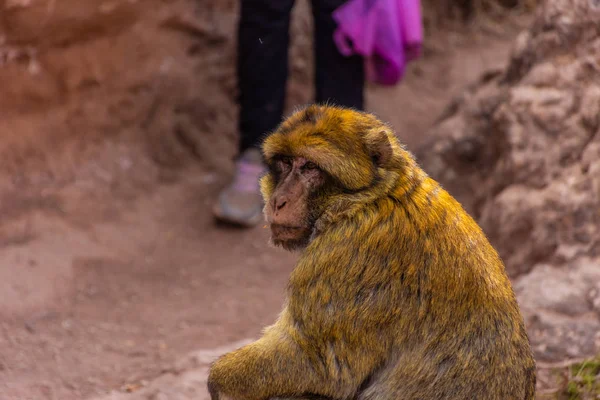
(246, 223)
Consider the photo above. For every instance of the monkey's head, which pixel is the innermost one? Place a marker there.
(322, 160)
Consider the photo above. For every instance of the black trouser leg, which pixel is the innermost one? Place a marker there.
(338, 79)
(262, 67)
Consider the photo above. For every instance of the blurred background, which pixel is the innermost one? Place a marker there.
(118, 123)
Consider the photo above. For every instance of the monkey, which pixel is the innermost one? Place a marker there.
(397, 292)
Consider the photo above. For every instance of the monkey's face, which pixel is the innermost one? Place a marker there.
(292, 209)
(321, 159)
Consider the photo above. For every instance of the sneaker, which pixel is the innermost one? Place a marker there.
(241, 202)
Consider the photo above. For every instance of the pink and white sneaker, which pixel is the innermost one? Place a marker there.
(241, 203)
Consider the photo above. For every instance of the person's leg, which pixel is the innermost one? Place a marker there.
(338, 79)
(262, 66)
(262, 71)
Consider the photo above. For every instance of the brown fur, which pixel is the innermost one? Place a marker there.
(397, 295)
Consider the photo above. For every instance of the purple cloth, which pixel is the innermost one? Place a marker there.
(388, 33)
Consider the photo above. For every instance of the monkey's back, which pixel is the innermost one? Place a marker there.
(414, 277)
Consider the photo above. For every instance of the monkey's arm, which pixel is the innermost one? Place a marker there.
(273, 366)
(287, 363)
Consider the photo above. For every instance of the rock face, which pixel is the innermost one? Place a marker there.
(521, 150)
(159, 72)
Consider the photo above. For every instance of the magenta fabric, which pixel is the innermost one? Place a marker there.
(388, 33)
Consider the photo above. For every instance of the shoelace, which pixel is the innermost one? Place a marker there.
(247, 176)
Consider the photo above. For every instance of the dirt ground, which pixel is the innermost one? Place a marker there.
(111, 276)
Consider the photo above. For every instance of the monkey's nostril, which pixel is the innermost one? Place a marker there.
(279, 206)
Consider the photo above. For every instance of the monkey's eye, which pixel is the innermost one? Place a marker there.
(286, 160)
(284, 163)
(310, 166)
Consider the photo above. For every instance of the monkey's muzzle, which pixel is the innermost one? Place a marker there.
(285, 232)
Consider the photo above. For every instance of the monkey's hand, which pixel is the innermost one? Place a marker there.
(273, 366)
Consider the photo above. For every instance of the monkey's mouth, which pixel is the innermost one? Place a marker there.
(281, 232)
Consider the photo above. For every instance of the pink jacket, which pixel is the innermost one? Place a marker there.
(388, 33)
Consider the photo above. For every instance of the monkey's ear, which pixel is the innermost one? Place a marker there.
(380, 148)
